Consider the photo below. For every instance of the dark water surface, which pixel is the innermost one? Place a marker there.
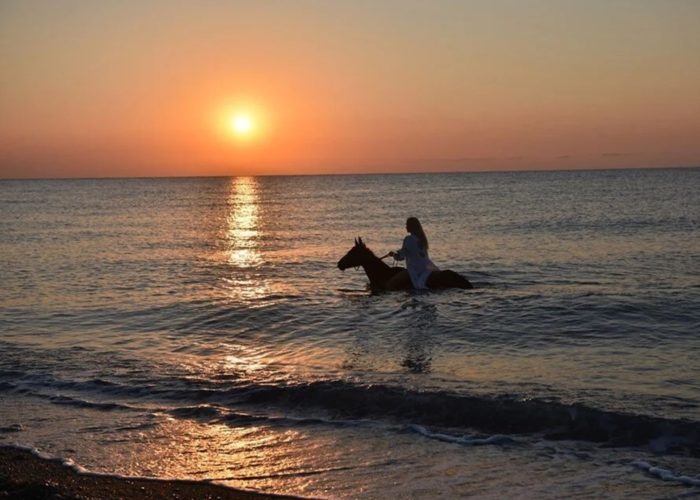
(199, 328)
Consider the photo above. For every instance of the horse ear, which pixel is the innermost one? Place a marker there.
(361, 242)
(356, 243)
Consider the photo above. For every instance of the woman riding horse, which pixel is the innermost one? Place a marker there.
(418, 263)
(415, 252)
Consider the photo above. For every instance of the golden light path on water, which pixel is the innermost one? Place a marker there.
(246, 282)
(243, 232)
(243, 282)
(264, 455)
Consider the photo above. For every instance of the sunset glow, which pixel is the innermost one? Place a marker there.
(352, 87)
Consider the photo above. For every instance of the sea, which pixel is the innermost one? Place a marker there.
(199, 328)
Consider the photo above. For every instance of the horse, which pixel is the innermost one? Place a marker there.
(380, 273)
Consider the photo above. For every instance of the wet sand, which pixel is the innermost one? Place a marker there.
(23, 475)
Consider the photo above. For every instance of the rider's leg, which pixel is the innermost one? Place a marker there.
(400, 281)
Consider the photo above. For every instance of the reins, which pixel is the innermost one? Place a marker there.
(389, 255)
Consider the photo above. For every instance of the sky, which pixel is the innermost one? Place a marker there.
(213, 87)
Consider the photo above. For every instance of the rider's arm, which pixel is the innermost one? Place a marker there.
(406, 248)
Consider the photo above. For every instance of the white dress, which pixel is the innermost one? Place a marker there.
(418, 262)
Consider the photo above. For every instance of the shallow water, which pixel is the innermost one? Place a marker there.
(200, 328)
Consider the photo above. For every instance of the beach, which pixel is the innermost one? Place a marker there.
(23, 475)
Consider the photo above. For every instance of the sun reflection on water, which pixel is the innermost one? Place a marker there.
(242, 235)
(243, 232)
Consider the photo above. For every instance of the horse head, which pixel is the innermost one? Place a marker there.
(359, 254)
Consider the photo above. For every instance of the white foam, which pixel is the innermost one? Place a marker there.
(12, 428)
(464, 440)
(665, 474)
(30, 449)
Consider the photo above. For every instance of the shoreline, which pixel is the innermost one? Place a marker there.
(26, 475)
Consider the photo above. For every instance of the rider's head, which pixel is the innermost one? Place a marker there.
(414, 227)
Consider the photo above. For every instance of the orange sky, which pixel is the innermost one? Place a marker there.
(130, 88)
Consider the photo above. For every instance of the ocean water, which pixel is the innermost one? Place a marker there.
(199, 328)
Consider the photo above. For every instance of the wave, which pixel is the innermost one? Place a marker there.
(463, 440)
(337, 401)
(495, 415)
(666, 474)
(82, 403)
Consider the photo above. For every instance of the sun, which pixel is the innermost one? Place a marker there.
(242, 125)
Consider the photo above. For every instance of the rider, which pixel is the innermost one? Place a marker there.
(418, 263)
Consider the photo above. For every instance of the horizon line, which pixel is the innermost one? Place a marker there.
(332, 174)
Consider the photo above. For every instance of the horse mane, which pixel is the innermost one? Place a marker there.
(374, 256)
(370, 251)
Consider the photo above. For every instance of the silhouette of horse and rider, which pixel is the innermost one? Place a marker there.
(420, 272)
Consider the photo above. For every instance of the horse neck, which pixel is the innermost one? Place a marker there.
(375, 268)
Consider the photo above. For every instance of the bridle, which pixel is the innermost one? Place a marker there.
(389, 255)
